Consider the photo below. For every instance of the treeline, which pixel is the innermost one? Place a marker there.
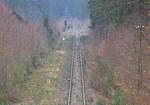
(23, 48)
(103, 12)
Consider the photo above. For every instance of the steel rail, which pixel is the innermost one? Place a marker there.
(70, 79)
(82, 78)
(76, 41)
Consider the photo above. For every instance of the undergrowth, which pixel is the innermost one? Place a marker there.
(105, 83)
(84, 39)
(100, 102)
(119, 98)
(3, 102)
(37, 86)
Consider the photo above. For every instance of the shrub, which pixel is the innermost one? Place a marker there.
(109, 79)
(3, 102)
(19, 17)
(29, 68)
(84, 39)
(100, 65)
(100, 102)
(119, 98)
(35, 60)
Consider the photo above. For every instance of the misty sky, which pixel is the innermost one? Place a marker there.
(34, 9)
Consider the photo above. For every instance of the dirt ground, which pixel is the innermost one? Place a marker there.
(63, 83)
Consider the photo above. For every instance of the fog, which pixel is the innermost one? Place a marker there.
(35, 9)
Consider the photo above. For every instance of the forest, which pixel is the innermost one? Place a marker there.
(24, 47)
(74, 52)
(119, 51)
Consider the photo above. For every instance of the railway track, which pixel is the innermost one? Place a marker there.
(76, 92)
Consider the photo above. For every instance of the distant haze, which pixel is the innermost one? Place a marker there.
(35, 9)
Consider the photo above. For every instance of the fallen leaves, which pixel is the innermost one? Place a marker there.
(94, 63)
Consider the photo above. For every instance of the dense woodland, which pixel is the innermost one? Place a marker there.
(120, 29)
(23, 48)
(103, 12)
(30, 47)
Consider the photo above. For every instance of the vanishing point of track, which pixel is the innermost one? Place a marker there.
(76, 84)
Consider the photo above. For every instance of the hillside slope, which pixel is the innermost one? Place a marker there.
(23, 48)
(118, 54)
